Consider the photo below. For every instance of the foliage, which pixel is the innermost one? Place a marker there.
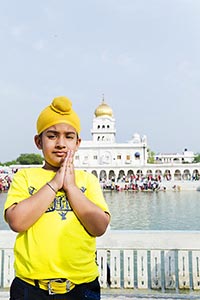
(196, 158)
(151, 157)
(25, 159)
(30, 159)
(8, 163)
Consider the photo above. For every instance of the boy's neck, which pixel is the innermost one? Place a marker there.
(49, 167)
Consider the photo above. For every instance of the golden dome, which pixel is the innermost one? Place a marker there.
(103, 110)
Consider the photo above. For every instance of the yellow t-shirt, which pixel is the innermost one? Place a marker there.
(57, 245)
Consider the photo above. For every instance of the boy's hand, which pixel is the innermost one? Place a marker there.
(57, 181)
(69, 178)
(65, 176)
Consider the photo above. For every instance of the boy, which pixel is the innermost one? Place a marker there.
(57, 213)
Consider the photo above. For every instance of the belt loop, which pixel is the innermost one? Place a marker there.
(36, 283)
(67, 285)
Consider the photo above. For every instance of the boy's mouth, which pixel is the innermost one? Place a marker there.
(60, 153)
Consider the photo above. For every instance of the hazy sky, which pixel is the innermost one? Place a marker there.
(143, 55)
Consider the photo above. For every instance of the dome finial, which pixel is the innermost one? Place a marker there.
(103, 98)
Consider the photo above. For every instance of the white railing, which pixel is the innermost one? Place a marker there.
(160, 260)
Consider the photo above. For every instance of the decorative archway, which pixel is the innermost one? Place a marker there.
(195, 175)
(186, 175)
(149, 174)
(139, 173)
(167, 174)
(103, 175)
(94, 172)
(177, 175)
(130, 173)
(121, 175)
(111, 175)
(158, 174)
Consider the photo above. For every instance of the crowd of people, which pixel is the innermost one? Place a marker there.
(6, 178)
(133, 183)
(5, 183)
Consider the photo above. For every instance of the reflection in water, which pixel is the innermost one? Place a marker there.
(147, 210)
(154, 210)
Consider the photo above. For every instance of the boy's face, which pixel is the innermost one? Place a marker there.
(55, 142)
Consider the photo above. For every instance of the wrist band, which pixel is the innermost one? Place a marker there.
(51, 187)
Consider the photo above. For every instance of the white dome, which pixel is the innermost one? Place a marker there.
(136, 138)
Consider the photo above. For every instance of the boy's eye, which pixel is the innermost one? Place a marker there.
(51, 136)
(70, 136)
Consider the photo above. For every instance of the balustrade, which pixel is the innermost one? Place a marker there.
(158, 260)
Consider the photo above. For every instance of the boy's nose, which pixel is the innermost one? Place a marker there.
(61, 142)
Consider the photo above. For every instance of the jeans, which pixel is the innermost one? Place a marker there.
(21, 290)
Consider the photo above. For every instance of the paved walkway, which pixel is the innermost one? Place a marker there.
(142, 295)
(132, 295)
(3, 296)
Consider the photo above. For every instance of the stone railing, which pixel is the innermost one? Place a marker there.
(159, 260)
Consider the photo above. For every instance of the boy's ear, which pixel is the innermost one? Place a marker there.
(78, 144)
(38, 141)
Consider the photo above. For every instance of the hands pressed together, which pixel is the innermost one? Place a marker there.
(65, 176)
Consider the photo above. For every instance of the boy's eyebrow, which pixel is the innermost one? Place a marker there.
(56, 131)
(71, 132)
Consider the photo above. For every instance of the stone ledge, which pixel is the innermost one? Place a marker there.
(127, 295)
(4, 295)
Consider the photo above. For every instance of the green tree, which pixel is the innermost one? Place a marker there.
(196, 158)
(8, 163)
(29, 159)
(151, 157)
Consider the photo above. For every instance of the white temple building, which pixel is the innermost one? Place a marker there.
(107, 159)
(103, 150)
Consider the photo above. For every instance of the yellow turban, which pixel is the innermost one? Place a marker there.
(59, 111)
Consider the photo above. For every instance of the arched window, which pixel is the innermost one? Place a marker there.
(94, 172)
(103, 175)
(111, 175)
(137, 155)
(186, 175)
(177, 175)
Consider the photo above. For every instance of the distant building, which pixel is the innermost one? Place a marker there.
(107, 159)
(185, 157)
(102, 153)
